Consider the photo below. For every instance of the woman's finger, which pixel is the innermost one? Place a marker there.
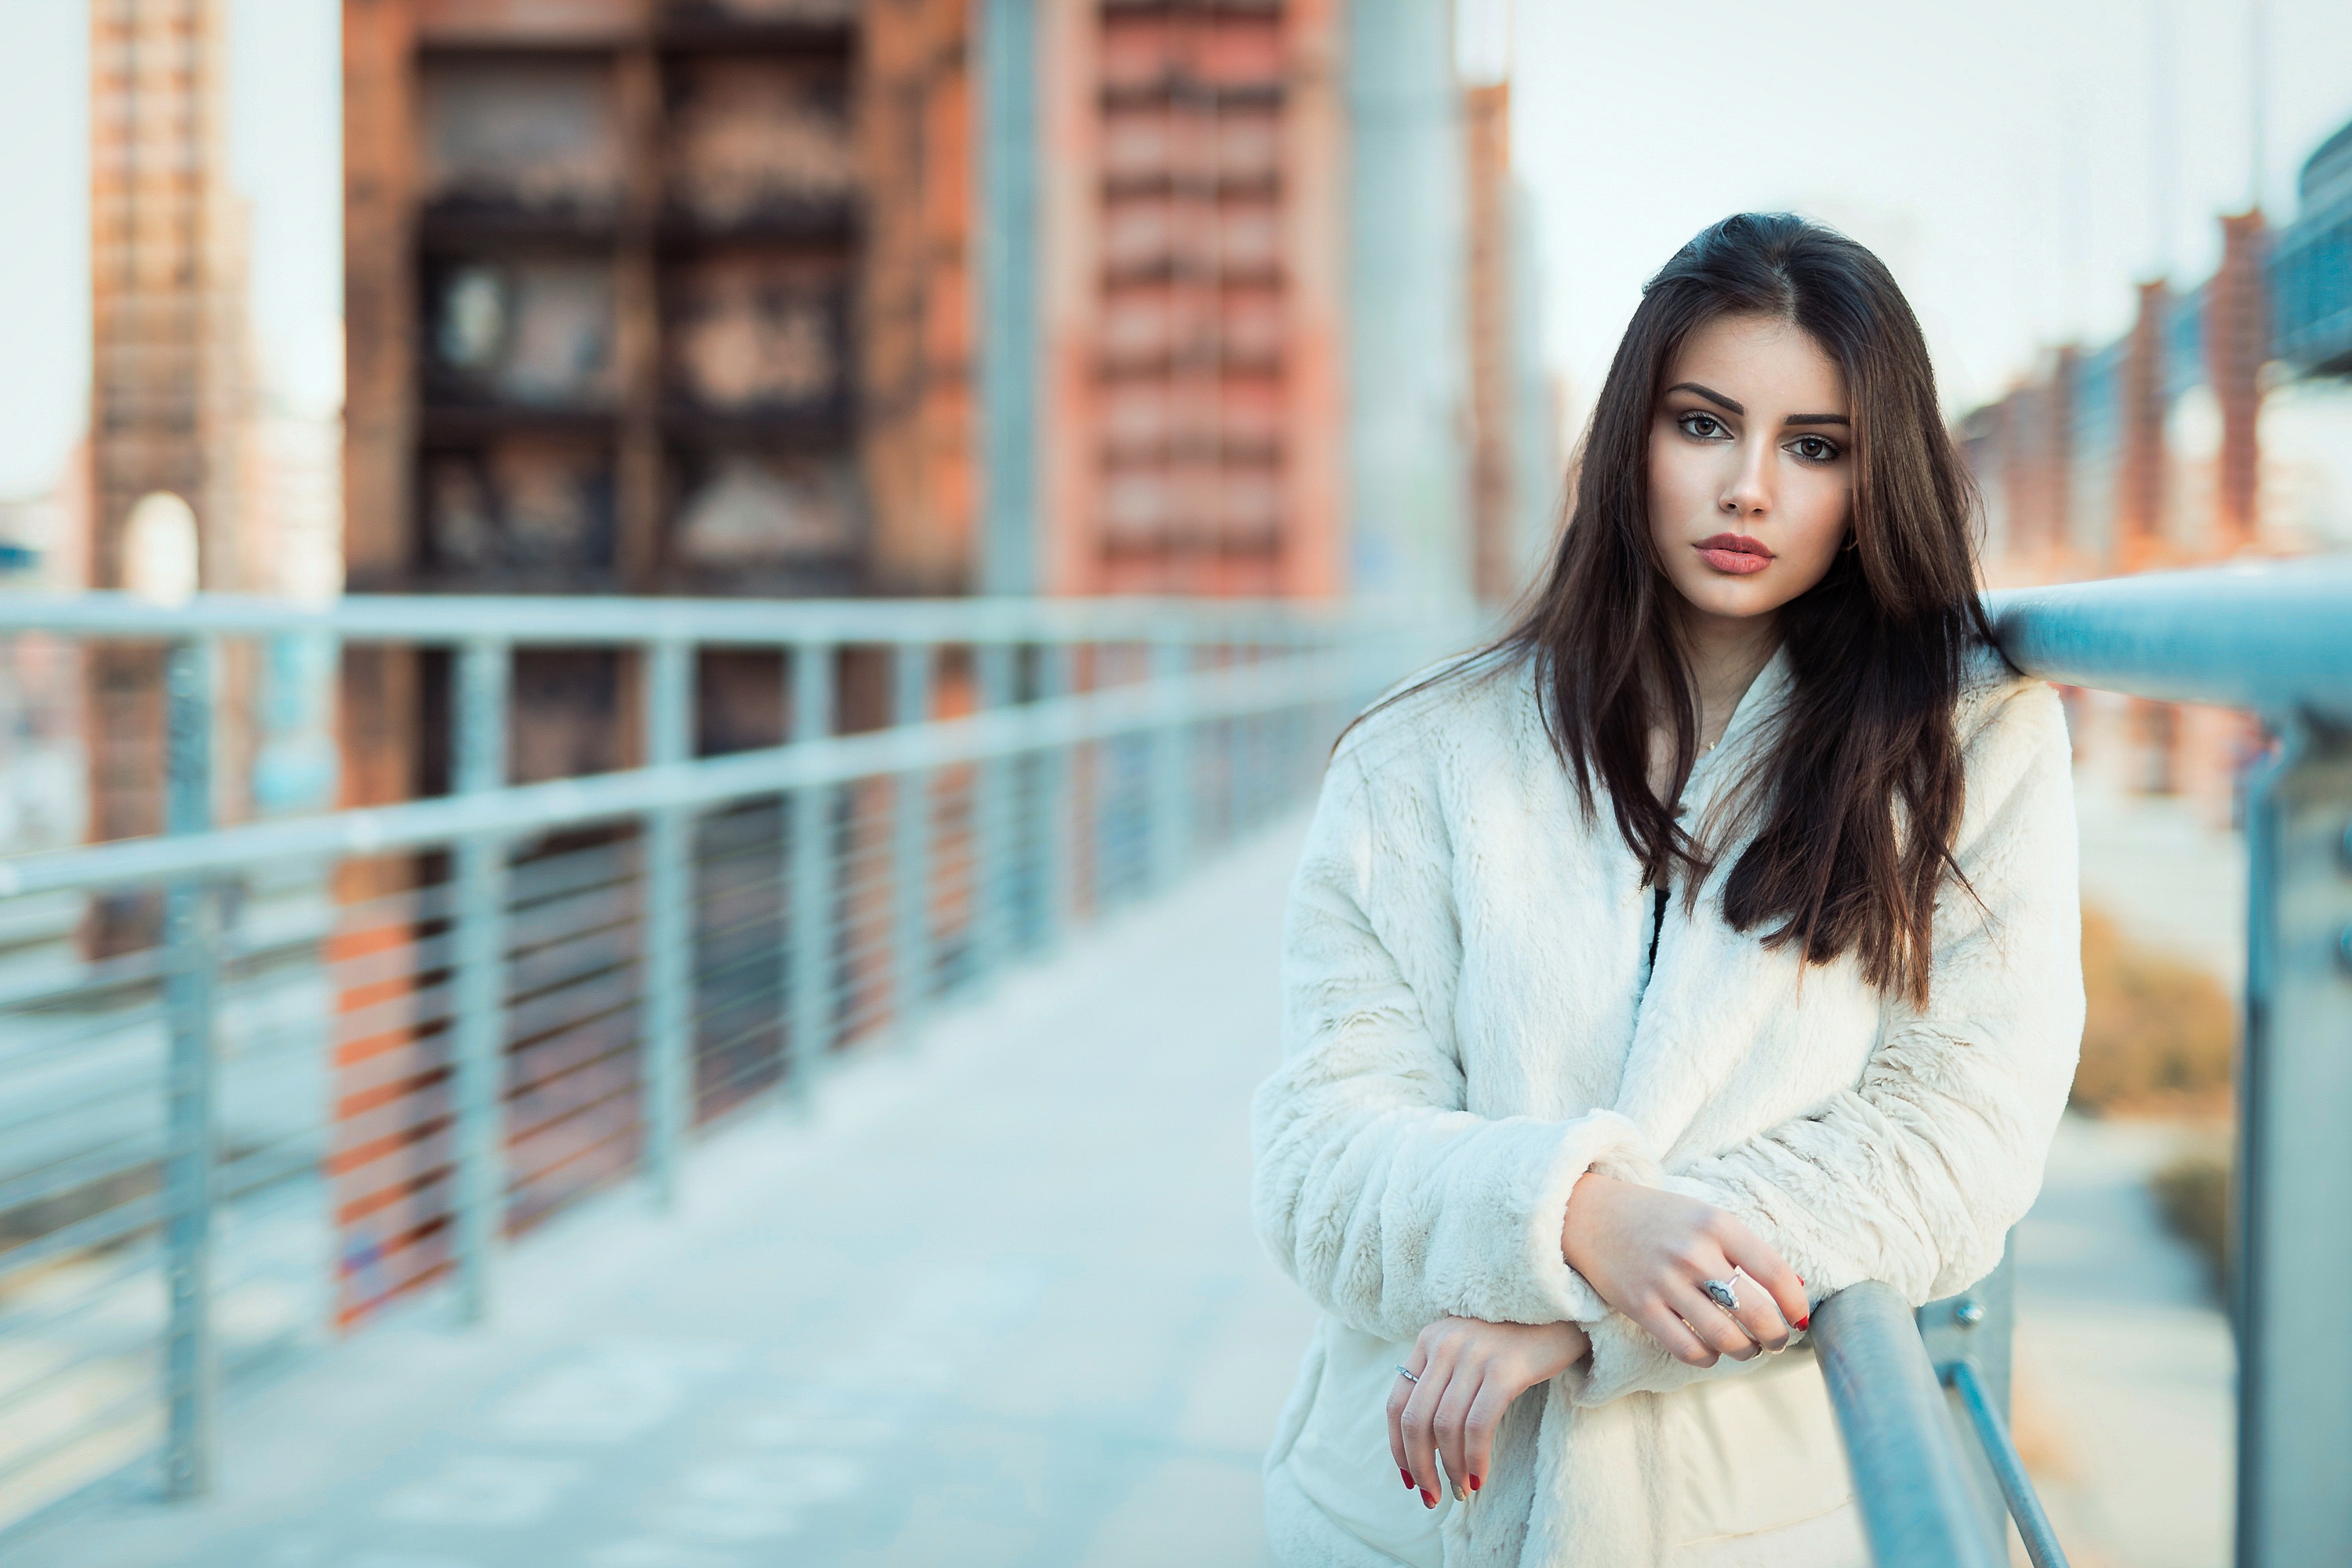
(1495, 1396)
(1769, 1268)
(1758, 1314)
(1419, 1423)
(1667, 1328)
(1399, 1393)
(1452, 1417)
(1719, 1329)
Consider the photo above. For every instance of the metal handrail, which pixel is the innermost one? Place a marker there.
(567, 803)
(2275, 637)
(572, 621)
(1918, 1507)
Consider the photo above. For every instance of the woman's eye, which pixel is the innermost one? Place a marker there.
(1703, 427)
(1813, 448)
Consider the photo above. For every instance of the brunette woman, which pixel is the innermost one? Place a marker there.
(1704, 946)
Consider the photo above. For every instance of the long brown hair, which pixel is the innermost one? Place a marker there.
(1855, 804)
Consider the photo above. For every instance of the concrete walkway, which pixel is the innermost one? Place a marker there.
(1000, 1303)
(2127, 1376)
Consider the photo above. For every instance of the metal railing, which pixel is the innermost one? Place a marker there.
(363, 1046)
(2275, 639)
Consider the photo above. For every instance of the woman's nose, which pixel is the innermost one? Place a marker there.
(1750, 493)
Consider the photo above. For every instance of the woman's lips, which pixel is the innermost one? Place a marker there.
(1734, 554)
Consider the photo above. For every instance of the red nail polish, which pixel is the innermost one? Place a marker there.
(1428, 1497)
(1474, 1483)
(1806, 1321)
(1407, 1475)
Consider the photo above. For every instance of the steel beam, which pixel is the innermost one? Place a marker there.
(809, 878)
(191, 964)
(910, 850)
(994, 888)
(484, 677)
(665, 1027)
(2291, 1277)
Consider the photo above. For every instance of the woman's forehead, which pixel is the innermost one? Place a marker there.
(1762, 359)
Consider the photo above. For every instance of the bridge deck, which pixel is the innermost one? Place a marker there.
(997, 1303)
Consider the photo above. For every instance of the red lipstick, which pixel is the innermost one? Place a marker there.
(1734, 553)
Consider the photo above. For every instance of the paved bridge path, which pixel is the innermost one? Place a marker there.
(997, 1302)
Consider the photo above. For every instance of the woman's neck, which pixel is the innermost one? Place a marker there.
(1726, 653)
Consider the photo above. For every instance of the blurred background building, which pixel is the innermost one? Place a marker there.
(787, 297)
(2217, 427)
(766, 298)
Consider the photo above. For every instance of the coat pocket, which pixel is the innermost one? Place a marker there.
(1752, 1452)
(1340, 1457)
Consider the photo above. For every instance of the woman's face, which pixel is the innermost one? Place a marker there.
(1751, 467)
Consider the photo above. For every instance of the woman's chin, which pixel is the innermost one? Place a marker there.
(1731, 598)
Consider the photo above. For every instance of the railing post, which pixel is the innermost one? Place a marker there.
(1056, 833)
(993, 918)
(809, 879)
(191, 954)
(2294, 1184)
(484, 673)
(1975, 1326)
(1171, 760)
(2000, 1455)
(667, 1001)
(912, 846)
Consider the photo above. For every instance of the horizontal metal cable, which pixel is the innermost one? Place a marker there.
(607, 796)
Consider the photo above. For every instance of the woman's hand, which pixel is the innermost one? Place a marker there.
(1645, 1251)
(1469, 1373)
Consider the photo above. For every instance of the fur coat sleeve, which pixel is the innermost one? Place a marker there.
(1386, 1199)
(1914, 1175)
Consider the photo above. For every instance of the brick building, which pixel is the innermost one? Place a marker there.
(2212, 429)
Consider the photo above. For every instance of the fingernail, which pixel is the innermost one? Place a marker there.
(1407, 1476)
(1459, 1495)
(1806, 1321)
(1474, 1483)
(1428, 1497)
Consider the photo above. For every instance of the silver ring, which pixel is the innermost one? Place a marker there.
(1406, 1376)
(1724, 1293)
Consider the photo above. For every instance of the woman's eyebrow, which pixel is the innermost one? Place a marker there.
(1817, 419)
(1709, 394)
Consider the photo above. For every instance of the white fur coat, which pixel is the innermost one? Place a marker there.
(1471, 1025)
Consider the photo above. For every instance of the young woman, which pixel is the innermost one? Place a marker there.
(1706, 945)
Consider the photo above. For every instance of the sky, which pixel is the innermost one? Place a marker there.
(2002, 155)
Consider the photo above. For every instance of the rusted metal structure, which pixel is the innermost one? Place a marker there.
(168, 385)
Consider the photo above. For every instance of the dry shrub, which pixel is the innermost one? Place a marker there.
(2193, 1192)
(2158, 1031)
